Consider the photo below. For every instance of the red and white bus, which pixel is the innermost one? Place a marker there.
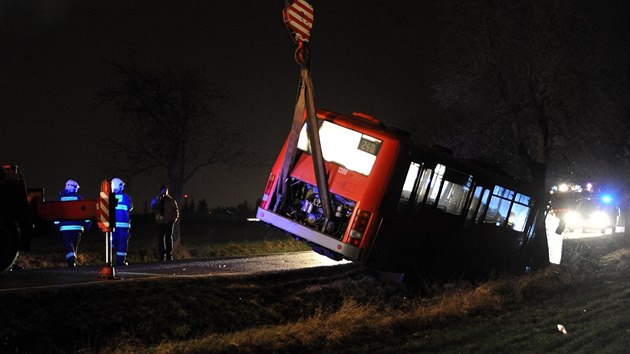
(398, 206)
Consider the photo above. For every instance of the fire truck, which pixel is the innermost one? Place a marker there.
(24, 212)
(16, 216)
(585, 208)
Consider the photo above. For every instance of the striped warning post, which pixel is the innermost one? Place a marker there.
(103, 207)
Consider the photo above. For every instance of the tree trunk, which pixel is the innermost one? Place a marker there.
(540, 246)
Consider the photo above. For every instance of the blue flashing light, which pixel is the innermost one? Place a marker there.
(607, 198)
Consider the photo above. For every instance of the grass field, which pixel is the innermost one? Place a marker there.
(342, 309)
(201, 237)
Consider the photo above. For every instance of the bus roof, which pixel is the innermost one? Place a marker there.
(483, 170)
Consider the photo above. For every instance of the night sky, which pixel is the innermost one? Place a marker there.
(55, 56)
(376, 57)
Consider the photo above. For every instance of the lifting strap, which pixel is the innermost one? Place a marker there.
(305, 101)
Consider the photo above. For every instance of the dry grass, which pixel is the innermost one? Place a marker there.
(345, 309)
(351, 324)
(354, 322)
(319, 331)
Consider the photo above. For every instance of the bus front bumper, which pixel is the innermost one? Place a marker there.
(347, 251)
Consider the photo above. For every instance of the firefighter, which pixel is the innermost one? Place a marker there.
(120, 235)
(166, 214)
(71, 230)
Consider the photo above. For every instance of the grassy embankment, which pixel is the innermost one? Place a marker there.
(588, 297)
(341, 309)
(202, 237)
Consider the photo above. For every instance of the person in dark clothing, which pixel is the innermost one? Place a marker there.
(166, 213)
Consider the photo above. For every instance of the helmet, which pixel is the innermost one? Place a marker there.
(117, 185)
(72, 186)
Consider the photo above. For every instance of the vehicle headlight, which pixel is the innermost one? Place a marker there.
(600, 219)
(572, 217)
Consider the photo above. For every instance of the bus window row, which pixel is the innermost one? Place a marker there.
(455, 192)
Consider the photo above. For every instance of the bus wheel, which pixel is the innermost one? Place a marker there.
(9, 240)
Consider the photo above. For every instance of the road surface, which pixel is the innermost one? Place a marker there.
(18, 280)
(63, 277)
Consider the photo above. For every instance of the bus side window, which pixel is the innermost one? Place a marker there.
(410, 182)
(531, 231)
(454, 192)
(423, 185)
(436, 183)
(484, 205)
(519, 213)
(499, 206)
(474, 203)
(508, 209)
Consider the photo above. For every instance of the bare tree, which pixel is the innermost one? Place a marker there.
(524, 82)
(168, 121)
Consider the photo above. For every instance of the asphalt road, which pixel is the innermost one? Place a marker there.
(18, 280)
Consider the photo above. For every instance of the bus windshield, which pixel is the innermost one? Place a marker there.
(346, 147)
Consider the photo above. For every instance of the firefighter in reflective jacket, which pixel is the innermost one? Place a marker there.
(71, 230)
(120, 235)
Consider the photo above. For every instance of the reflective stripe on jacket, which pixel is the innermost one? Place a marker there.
(122, 210)
(71, 225)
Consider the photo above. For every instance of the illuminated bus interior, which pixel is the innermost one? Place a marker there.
(345, 147)
(452, 191)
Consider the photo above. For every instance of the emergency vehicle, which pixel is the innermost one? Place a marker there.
(585, 208)
(16, 216)
(23, 212)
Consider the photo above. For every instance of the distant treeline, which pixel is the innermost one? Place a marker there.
(243, 210)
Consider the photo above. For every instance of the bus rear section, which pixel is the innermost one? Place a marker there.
(455, 216)
(360, 155)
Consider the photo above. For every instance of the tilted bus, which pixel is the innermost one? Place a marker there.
(400, 207)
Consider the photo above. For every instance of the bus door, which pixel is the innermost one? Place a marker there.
(432, 205)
